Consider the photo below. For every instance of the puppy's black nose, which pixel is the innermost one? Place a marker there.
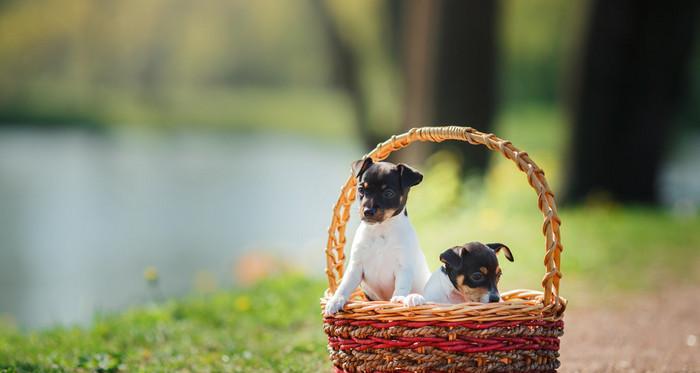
(369, 212)
(494, 298)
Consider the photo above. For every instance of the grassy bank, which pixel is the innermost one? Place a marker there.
(275, 325)
(272, 326)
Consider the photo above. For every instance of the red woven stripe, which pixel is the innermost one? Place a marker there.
(463, 345)
(339, 370)
(465, 324)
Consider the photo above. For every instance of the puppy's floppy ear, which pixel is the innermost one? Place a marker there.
(360, 166)
(497, 247)
(451, 258)
(408, 175)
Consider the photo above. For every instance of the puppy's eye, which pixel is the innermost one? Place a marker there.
(477, 276)
(389, 193)
(361, 190)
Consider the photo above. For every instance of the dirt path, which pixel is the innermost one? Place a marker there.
(653, 333)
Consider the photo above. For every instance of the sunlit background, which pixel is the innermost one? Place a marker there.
(156, 149)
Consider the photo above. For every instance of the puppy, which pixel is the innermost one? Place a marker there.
(470, 273)
(385, 259)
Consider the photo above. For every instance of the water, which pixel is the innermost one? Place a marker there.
(680, 176)
(82, 215)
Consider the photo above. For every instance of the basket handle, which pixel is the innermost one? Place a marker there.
(335, 256)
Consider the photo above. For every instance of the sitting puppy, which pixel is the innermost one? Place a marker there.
(470, 274)
(385, 259)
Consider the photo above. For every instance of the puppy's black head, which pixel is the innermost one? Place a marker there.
(382, 188)
(474, 271)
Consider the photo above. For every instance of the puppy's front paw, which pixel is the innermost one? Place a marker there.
(413, 300)
(410, 300)
(397, 299)
(334, 305)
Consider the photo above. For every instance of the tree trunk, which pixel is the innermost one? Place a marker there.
(631, 82)
(465, 73)
(346, 74)
(419, 21)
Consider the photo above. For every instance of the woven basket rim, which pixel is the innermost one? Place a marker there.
(518, 304)
(549, 301)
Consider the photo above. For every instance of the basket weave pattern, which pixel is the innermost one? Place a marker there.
(521, 333)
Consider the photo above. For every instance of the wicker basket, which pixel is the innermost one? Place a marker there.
(521, 333)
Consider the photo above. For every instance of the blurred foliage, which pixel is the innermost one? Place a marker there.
(251, 65)
(166, 63)
(234, 64)
(365, 28)
(246, 65)
(538, 40)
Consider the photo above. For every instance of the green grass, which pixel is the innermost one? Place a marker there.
(272, 326)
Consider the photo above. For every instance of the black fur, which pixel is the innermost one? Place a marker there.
(468, 261)
(382, 188)
(497, 247)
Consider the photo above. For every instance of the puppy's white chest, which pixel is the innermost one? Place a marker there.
(385, 251)
(381, 262)
(377, 246)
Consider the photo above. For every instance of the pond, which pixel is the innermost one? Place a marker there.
(83, 215)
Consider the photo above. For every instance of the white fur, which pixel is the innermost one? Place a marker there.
(440, 289)
(387, 263)
(411, 300)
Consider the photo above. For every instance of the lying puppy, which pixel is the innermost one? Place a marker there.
(385, 259)
(470, 274)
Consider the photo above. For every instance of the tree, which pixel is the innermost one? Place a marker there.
(629, 87)
(465, 72)
(445, 52)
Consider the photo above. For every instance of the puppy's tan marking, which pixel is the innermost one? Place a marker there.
(484, 270)
(470, 294)
(388, 213)
(364, 185)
